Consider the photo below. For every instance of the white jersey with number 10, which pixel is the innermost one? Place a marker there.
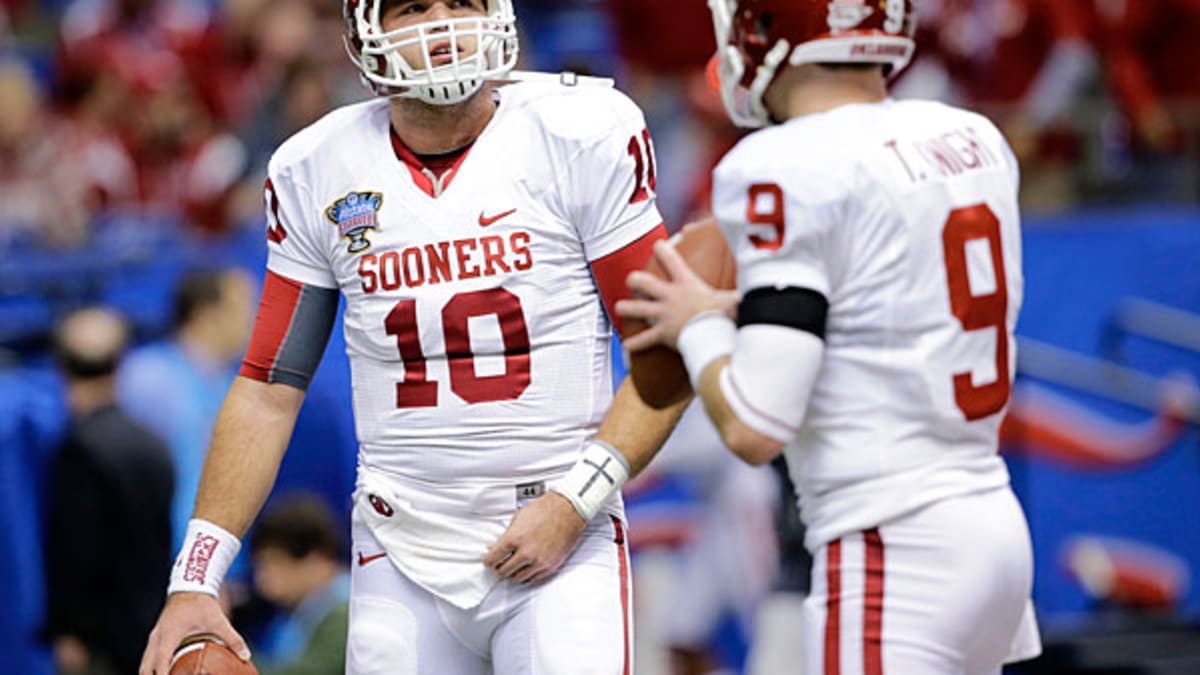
(478, 343)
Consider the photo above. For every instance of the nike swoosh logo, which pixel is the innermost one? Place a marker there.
(365, 559)
(484, 221)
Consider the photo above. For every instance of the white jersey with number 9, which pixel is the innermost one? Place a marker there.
(904, 216)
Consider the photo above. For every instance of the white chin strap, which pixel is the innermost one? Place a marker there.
(564, 78)
(443, 94)
(744, 106)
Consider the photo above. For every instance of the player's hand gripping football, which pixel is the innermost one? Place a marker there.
(184, 615)
(540, 537)
(668, 304)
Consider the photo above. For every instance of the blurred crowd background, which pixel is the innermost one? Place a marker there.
(134, 136)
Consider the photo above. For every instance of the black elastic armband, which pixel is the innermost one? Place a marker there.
(799, 308)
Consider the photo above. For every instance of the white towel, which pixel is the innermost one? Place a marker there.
(441, 550)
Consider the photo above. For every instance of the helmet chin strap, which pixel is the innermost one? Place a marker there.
(764, 78)
(566, 78)
(754, 113)
(447, 94)
(729, 75)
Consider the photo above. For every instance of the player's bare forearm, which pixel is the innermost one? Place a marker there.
(748, 444)
(249, 440)
(637, 430)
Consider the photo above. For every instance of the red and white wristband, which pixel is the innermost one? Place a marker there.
(705, 338)
(208, 551)
(596, 476)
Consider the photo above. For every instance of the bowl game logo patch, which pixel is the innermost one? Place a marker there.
(354, 215)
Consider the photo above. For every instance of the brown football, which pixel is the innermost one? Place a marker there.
(207, 655)
(658, 373)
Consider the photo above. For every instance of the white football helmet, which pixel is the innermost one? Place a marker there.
(385, 72)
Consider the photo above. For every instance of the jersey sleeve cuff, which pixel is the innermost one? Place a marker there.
(779, 273)
(300, 272)
(624, 234)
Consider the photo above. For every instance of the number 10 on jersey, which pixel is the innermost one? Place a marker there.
(416, 390)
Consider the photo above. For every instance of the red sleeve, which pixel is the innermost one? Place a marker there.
(291, 331)
(611, 271)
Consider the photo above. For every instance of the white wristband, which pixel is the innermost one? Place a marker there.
(598, 474)
(208, 551)
(705, 338)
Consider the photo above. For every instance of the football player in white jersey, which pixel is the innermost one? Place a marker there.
(879, 270)
(478, 234)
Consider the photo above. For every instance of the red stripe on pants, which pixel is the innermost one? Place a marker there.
(623, 561)
(833, 608)
(873, 604)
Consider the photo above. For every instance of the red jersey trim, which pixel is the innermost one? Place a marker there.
(280, 296)
(611, 271)
(416, 167)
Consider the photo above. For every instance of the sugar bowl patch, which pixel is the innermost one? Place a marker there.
(354, 215)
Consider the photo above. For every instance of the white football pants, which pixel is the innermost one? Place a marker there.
(576, 622)
(941, 591)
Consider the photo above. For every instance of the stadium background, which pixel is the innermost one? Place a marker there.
(133, 140)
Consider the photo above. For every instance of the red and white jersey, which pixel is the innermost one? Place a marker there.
(904, 216)
(478, 342)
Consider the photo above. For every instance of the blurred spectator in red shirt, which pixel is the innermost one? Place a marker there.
(233, 54)
(187, 164)
(246, 50)
(93, 33)
(55, 175)
(665, 45)
(1023, 62)
(1151, 50)
(197, 76)
(666, 37)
